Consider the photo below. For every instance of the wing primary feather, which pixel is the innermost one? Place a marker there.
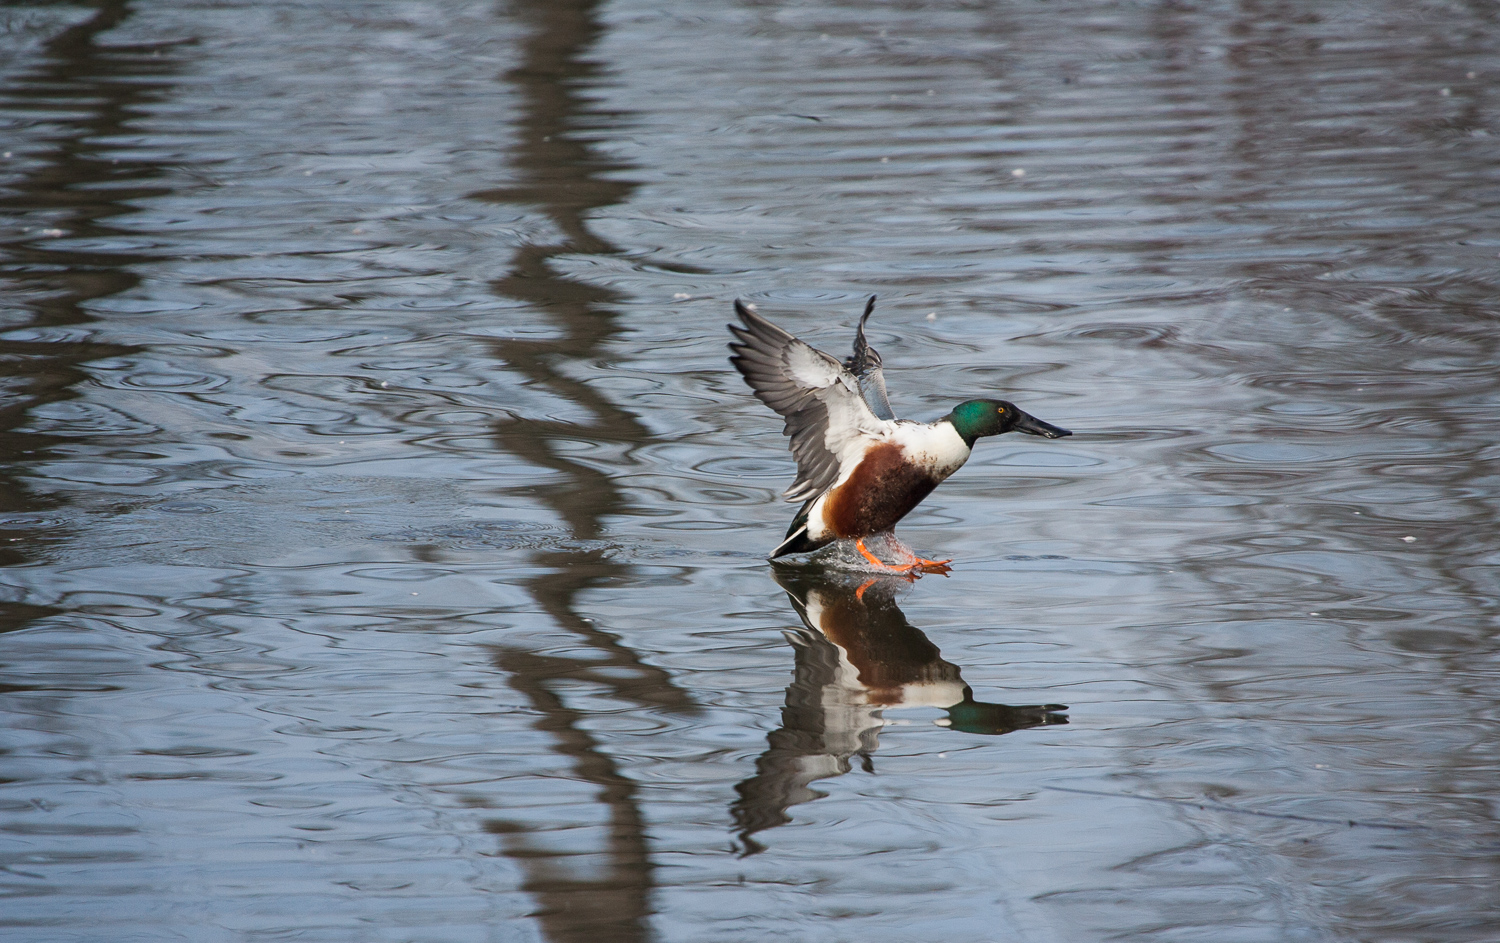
(868, 369)
(862, 352)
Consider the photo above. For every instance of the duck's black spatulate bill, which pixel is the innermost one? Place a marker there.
(1031, 425)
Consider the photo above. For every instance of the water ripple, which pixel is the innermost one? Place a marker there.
(385, 528)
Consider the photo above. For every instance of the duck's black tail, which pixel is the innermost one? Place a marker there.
(797, 540)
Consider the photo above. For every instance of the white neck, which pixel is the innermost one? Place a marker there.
(936, 445)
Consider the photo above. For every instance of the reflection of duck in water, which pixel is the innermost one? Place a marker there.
(859, 468)
(857, 656)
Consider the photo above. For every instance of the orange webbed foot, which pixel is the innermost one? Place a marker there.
(939, 567)
(924, 565)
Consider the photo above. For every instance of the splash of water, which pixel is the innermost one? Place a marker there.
(844, 556)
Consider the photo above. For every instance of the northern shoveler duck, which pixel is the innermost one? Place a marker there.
(859, 468)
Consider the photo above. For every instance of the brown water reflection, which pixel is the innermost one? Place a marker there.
(857, 658)
(77, 190)
(561, 176)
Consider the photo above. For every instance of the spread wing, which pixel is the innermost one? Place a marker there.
(826, 416)
(867, 369)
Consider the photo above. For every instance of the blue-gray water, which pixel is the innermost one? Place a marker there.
(383, 524)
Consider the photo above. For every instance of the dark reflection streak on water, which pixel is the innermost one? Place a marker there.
(104, 89)
(564, 178)
(613, 905)
(857, 656)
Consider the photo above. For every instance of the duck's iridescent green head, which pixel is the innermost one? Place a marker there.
(982, 417)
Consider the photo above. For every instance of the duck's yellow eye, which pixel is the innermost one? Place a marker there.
(1001, 410)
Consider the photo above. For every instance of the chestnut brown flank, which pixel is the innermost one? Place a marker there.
(882, 489)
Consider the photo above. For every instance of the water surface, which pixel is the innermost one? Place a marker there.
(384, 526)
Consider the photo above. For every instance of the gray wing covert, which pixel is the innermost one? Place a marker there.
(812, 392)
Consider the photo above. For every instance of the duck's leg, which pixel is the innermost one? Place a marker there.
(917, 563)
(879, 563)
